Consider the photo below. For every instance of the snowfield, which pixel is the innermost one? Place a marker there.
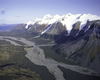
(67, 20)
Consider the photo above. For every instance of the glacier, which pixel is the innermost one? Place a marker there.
(67, 20)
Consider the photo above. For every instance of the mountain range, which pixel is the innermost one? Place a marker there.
(77, 36)
(6, 27)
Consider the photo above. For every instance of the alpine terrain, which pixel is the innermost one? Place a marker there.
(77, 36)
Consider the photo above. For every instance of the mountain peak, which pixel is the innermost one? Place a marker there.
(57, 16)
(47, 17)
(67, 20)
(69, 14)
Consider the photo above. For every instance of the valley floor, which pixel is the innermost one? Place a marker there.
(36, 55)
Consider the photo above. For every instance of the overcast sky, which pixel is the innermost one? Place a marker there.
(19, 11)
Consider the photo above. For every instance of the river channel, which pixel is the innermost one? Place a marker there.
(36, 55)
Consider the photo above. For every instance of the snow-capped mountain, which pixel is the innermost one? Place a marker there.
(67, 20)
(77, 36)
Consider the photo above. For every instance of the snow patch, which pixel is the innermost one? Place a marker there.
(28, 23)
(83, 18)
(87, 28)
(69, 20)
(46, 29)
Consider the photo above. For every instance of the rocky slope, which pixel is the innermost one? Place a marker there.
(84, 48)
(77, 36)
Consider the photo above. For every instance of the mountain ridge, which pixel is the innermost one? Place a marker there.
(67, 20)
(77, 36)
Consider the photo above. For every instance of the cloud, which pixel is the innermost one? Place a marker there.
(2, 11)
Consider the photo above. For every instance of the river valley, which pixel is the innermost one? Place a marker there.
(36, 55)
